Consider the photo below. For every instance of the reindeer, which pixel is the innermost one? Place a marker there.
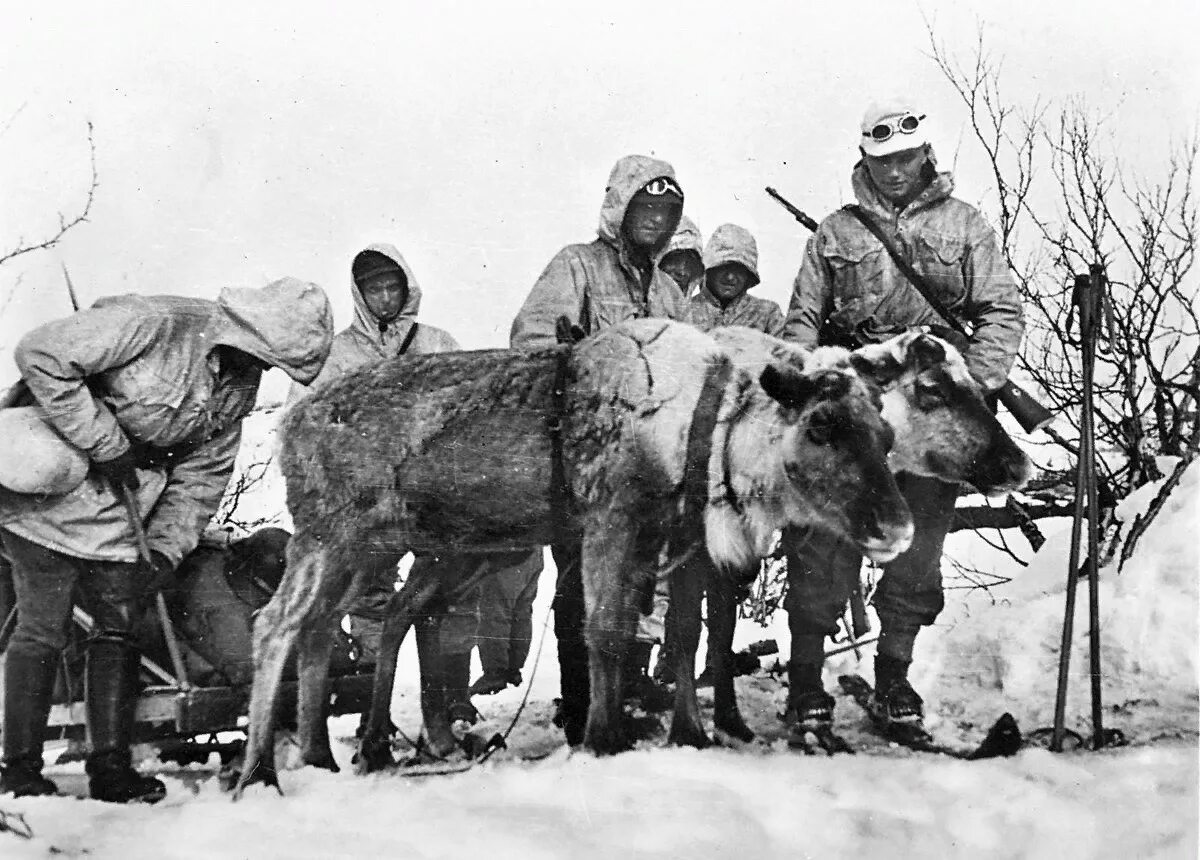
(620, 445)
(943, 429)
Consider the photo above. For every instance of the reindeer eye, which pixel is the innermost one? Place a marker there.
(929, 393)
(821, 427)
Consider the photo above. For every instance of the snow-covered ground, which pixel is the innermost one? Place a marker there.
(994, 651)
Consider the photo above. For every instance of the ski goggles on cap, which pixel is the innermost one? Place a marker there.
(662, 185)
(885, 129)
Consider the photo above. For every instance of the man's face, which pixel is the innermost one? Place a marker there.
(235, 362)
(385, 294)
(898, 176)
(683, 266)
(728, 281)
(650, 220)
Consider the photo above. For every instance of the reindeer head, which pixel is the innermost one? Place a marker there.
(944, 427)
(834, 456)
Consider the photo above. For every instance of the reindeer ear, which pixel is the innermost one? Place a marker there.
(926, 352)
(876, 362)
(786, 385)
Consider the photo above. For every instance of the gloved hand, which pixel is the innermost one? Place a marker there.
(159, 569)
(120, 471)
(567, 332)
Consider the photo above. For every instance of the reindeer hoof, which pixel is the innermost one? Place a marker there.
(688, 736)
(322, 759)
(607, 740)
(733, 726)
(374, 754)
(256, 775)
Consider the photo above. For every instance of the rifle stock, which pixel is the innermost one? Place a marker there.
(1028, 412)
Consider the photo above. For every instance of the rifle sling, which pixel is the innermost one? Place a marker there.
(905, 267)
(409, 338)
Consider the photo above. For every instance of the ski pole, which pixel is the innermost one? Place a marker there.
(1088, 300)
(1096, 297)
(1068, 630)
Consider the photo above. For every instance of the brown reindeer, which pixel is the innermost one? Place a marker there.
(476, 451)
(943, 429)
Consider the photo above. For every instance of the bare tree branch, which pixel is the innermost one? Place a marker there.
(65, 224)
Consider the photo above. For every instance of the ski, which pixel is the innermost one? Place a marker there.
(1003, 738)
(818, 739)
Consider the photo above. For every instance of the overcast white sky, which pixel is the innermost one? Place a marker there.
(236, 145)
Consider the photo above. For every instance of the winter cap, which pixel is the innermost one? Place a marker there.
(730, 243)
(892, 125)
(629, 176)
(370, 263)
(687, 238)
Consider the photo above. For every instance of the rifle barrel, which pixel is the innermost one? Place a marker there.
(804, 219)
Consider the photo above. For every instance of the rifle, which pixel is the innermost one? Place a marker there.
(1030, 414)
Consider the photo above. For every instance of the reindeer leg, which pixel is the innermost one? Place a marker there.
(683, 623)
(312, 711)
(722, 618)
(275, 631)
(272, 645)
(439, 739)
(374, 749)
(574, 683)
(341, 582)
(310, 586)
(611, 620)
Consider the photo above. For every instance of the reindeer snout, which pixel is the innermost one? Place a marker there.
(890, 541)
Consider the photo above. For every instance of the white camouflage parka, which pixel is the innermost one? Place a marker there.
(364, 343)
(595, 285)
(730, 243)
(142, 371)
(848, 277)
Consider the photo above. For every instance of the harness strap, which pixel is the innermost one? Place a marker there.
(560, 493)
(698, 454)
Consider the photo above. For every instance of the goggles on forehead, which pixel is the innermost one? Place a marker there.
(885, 129)
(663, 185)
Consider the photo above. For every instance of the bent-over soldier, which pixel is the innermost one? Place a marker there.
(153, 389)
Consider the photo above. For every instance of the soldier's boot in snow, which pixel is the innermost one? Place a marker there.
(24, 779)
(111, 778)
(28, 688)
(809, 716)
(491, 682)
(895, 702)
(111, 698)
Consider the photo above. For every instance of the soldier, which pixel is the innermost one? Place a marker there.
(730, 271)
(683, 258)
(849, 291)
(592, 286)
(153, 390)
(387, 299)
